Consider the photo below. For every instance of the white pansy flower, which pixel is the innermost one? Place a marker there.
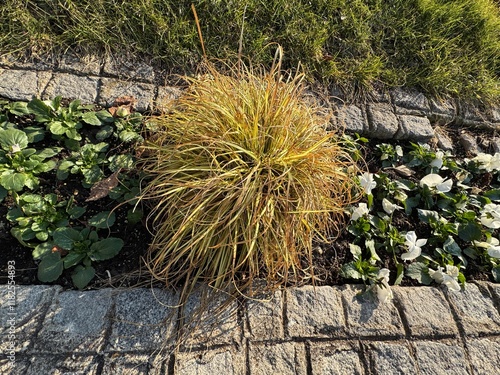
(490, 216)
(367, 182)
(360, 211)
(438, 161)
(488, 162)
(384, 292)
(448, 277)
(15, 148)
(435, 181)
(388, 206)
(414, 246)
(494, 251)
(400, 196)
(492, 241)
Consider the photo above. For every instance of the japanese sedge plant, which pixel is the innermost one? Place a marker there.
(245, 177)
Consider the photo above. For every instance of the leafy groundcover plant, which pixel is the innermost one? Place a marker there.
(428, 216)
(62, 186)
(244, 177)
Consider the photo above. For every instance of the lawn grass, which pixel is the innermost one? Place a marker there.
(440, 46)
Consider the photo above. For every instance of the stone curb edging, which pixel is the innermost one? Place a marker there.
(400, 114)
(425, 330)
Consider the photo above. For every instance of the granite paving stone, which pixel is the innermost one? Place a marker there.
(277, 358)
(484, 355)
(383, 123)
(63, 364)
(315, 312)
(128, 67)
(476, 311)
(19, 366)
(72, 86)
(131, 364)
(352, 118)
(113, 89)
(443, 140)
(80, 64)
(440, 358)
(31, 304)
(166, 94)
(337, 358)
(426, 311)
(444, 109)
(392, 358)
(265, 317)
(23, 84)
(223, 360)
(217, 323)
(416, 128)
(410, 102)
(366, 317)
(75, 322)
(143, 320)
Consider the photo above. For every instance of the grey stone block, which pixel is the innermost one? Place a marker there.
(83, 64)
(144, 320)
(443, 141)
(45, 62)
(352, 118)
(72, 87)
(383, 123)
(131, 364)
(65, 364)
(211, 318)
(129, 67)
(22, 84)
(338, 358)
(113, 89)
(282, 358)
(469, 143)
(439, 358)
(368, 318)
(494, 113)
(443, 108)
(484, 355)
(315, 312)
(391, 358)
(75, 322)
(18, 367)
(215, 361)
(495, 144)
(31, 304)
(410, 102)
(476, 311)
(166, 96)
(470, 113)
(265, 317)
(415, 128)
(427, 312)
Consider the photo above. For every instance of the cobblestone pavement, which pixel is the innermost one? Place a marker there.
(322, 330)
(326, 330)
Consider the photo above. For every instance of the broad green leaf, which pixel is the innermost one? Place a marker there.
(349, 271)
(128, 136)
(42, 111)
(399, 273)
(13, 181)
(18, 108)
(92, 175)
(427, 216)
(42, 250)
(65, 165)
(125, 161)
(48, 152)
(106, 249)
(135, 216)
(57, 128)
(451, 247)
(103, 219)
(75, 212)
(91, 119)
(420, 272)
(105, 132)
(494, 194)
(14, 214)
(470, 231)
(50, 268)
(73, 259)
(34, 133)
(73, 134)
(370, 245)
(42, 236)
(105, 116)
(3, 193)
(82, 276)
(13, 140)
(355, 250)
(66, 237)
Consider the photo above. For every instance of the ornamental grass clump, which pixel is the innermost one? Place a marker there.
(245, 177)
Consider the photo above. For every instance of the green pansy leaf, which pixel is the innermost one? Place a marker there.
(128, 136)
(42, 111)
(82, 276)
(3, 193)
(73, 134)
(91, 119)
(370, 245)
(451, 247)
(399, 273)
(92, 175)
(420, 272)
(13, 140)
(105, 132)
(48, 152)
(106, 249)
(13, 181)
(57, 128)
(355, 250)
(427, 216)
(75, 212)
(18, 108)
(50, 268)
(42, 236)
(495, 271)
(14, 214)
(34, 133)
(73, 259)
(103, 219)
(66, 237)
(105, 116)
(494, 194)
(350, 271)
(135, 215)
(469, 231)
(42, 250)
(124, 161)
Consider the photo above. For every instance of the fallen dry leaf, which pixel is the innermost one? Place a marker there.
(101, 188)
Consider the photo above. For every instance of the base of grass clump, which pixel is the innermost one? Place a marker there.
(244, 177)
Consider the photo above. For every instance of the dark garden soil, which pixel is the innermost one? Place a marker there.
(128, 267)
